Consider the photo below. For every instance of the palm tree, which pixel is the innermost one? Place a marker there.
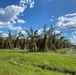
(52, 38)
(45, 39)
(19, 40)
(32, 35)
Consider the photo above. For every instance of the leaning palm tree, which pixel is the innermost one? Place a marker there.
(61, 41)
(7, 41)
(51, 38)
(45, 39)
(48, 38)
(1, 42)
(32, 35)
(19, 40)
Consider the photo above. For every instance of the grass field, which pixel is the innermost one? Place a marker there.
(26, 63)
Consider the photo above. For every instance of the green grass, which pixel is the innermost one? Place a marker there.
(26, 63)
(70, 51)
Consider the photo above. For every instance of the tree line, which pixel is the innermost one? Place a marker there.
(46, 41)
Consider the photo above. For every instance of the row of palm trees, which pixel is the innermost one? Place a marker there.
(34, 42)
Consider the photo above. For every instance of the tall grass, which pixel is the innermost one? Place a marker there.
(25, 63)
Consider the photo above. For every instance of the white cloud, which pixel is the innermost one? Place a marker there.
(5, 35)
(23, 32)
(30, 2)
(73, 39)
(57, 31)
(40, 31)
(1, 31)
(47, 28)
(18, 28)
(4, 24)
(67, 21)
(10, 15)
(74, 32)
(10, 26)
(21, 21)
(52, 16)
(51, 19)
(73, 14)
(13, 22)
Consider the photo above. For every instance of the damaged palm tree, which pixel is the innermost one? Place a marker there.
(51, 38)
(32, 35)
(45, 39)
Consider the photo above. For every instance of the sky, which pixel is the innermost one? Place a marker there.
(19, 15)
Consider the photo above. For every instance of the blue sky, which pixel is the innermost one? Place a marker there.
(18, 15)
